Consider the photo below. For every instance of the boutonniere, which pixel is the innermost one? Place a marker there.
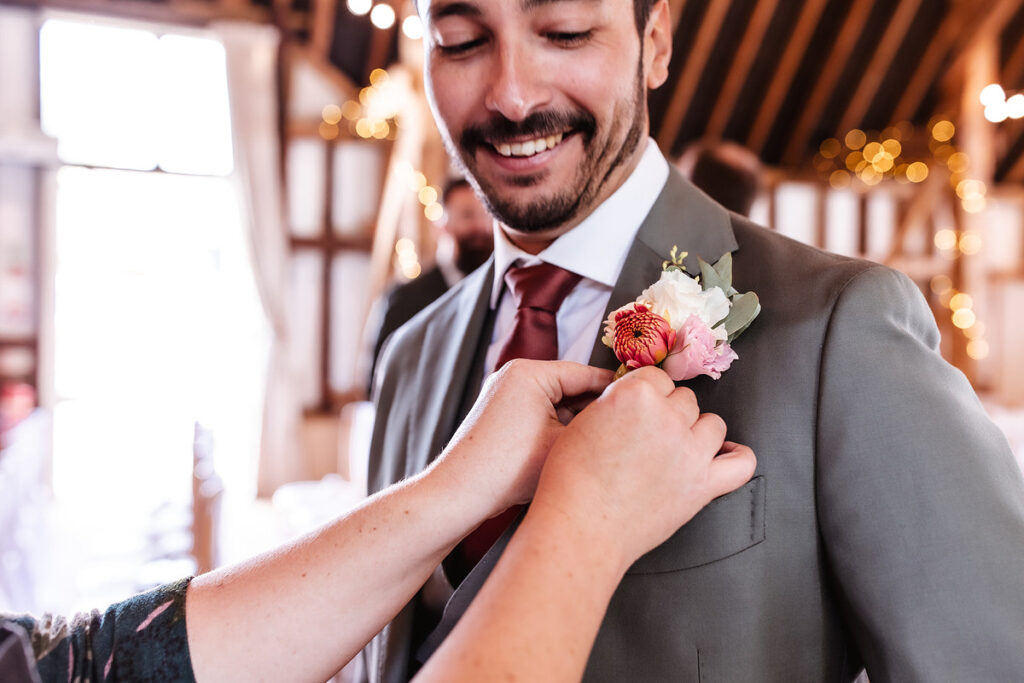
(681, 323)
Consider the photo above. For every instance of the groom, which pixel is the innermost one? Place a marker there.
(884, 527)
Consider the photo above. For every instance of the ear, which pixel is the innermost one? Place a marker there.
(657, 45)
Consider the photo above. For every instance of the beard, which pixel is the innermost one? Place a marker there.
(600, 159)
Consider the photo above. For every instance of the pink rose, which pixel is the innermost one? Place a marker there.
(697, 352)
(640, 337)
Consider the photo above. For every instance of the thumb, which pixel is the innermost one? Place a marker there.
(731, 468)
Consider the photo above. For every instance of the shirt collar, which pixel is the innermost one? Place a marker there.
(597, 247)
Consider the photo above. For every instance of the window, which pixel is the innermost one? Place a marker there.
(157, 320)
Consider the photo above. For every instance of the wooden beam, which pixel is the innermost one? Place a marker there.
(881, 62)
(380, 44)
(922, 205)
(181, 12)
(1013, 71)
(783, 79)
(992, 19)
(310, 128)
(710, 26)
(1016, 172)
(324, 19)
(675, 11)
(750, 44)
(928, 68)
(333, 244)
(826, 83)
(326, 279)
(326, 70)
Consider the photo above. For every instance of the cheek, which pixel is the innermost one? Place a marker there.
(448, 97)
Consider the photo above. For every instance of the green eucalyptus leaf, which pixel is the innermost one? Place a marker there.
(709, 276)
(724, 270)
(745, 308)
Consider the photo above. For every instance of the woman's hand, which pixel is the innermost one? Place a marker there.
(502, 444)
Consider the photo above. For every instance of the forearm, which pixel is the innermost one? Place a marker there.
(302, 611)
(538, 614)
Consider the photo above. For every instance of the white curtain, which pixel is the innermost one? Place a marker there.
(252, 53)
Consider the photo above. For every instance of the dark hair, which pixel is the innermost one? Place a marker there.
(453, 183)
(641, 13)
(727, 172)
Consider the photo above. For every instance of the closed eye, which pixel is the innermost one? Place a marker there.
(461, 48)
(570, 39)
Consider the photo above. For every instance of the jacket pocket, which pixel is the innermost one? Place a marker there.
(728, 525)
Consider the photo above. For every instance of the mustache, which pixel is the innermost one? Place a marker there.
(536, 125)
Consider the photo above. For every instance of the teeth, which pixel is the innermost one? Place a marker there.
(528, 148)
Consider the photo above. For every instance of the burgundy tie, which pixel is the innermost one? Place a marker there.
(538, 292)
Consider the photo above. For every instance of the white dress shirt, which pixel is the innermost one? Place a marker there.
(595, 249)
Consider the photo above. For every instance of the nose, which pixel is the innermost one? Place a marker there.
(518, 87)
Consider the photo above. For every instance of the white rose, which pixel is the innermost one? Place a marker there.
(676, 296)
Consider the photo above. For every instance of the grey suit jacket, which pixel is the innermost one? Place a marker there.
(884, 526)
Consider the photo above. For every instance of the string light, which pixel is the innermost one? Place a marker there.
(945, 239)
(412, 27)
(433, 211)
(999, 107)
(427, 195)
(382, 16)
(359, 7)
(408, 260)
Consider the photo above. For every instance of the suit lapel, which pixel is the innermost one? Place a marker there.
(456, 339)
(682, 217)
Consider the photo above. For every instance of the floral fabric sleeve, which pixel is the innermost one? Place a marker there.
(141, 639)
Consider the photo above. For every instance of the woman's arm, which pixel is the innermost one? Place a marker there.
(302, 611)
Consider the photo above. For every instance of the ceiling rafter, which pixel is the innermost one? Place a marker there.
(186, 12)
(1013, 71)
(938, 50)
(827, 80)
(783, 78)
(322, 23)
(993, 17)
(1016, 172)
(750, 45)
(710, 26)
(881, 60)
(675, 11)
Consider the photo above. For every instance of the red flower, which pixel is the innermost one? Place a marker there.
(641, 337)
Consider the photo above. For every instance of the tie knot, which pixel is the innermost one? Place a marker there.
(543, 286)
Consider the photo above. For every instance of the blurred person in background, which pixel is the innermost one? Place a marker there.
(17, 401)
(465, 242)
(727, 172)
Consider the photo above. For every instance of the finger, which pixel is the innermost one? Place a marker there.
(684, 401)
(655, 377)
(709, 433)
(731, 469)
(565, 378)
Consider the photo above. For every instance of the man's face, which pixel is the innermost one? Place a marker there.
(470, 226)
(543, 101)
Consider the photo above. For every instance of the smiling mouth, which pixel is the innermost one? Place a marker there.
(528, 148)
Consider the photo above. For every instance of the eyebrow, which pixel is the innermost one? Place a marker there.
(527, 5)
(452, 9)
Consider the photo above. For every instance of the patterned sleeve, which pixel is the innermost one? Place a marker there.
(141, 639)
